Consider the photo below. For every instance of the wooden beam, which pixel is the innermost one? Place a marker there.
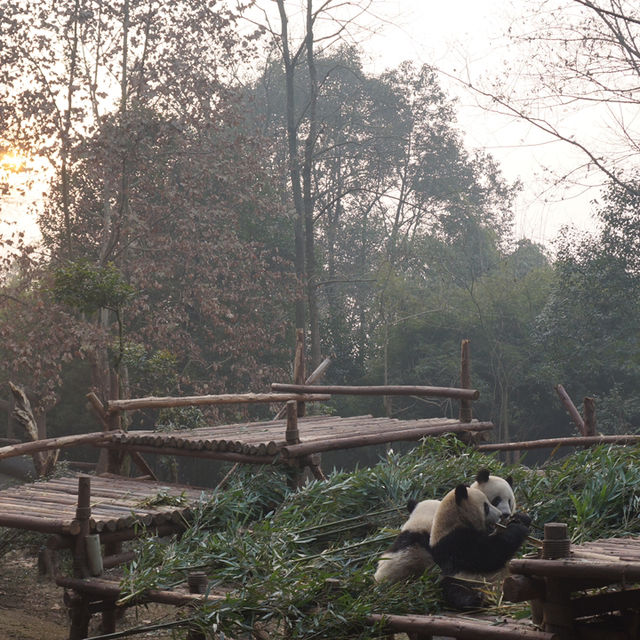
(350, 442)
(380, 390)
(464, 629)
(98, 588)
(27, 448)
(571, 408)
(152, 402)
(577, 570)
(574, 441)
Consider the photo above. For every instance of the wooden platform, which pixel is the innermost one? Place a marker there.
(264, 442)
(116, 504)
(590, 594)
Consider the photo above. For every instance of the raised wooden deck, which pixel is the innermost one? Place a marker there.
(117, 504)
(265, 442)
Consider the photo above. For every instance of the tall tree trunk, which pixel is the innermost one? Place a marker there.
(307, 177)
(65, 150)
(294, 167)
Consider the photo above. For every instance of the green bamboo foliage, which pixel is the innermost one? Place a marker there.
(300, 564)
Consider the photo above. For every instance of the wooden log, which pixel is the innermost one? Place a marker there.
(522, 588)
(574, 441)
(142, 465)
(292, 434)
(577, 569)
(571, 408)
(465, 381)
(97, 588)
(83, 514)
(152, 402)
(116, 559)
(458, 628)
(605, 602)
(28, 448)
(42, 525)
(299, 368)
(380, 390)
(313, 377)
(299, 450)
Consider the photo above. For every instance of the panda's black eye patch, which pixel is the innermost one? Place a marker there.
(496, 501)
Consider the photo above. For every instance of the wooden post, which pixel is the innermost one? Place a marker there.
(589, 414)
(557, 616)
(465, 381)
(298, 367)
(292, 436)
(197, 581)
(83, 514)
(79, 604)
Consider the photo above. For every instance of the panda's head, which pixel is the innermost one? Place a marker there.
(464, 507)
(421, 515)
(499, 491)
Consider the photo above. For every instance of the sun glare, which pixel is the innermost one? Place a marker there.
(13, 162)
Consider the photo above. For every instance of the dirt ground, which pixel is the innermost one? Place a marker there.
(32, 606)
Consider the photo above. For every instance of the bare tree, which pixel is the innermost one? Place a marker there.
(298, 49)
(582, 58)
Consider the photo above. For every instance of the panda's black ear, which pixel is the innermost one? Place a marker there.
(411, 505)
(483, 476)
(509, 479)
(461, 494)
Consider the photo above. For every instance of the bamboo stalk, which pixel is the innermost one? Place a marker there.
(152, 402)
(380, 390)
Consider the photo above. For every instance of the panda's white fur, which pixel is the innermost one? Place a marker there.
(421, 516)
(409, 556)
(499, 491)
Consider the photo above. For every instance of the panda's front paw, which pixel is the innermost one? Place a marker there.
(520, 517)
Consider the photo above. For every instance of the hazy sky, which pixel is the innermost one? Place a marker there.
(466, 38)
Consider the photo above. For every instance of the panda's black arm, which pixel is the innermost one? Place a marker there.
(467, 549)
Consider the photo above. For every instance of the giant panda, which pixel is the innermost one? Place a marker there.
(466, 547)
(409, 555)
(499, 491)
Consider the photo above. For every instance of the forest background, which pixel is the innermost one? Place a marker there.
(214, 186)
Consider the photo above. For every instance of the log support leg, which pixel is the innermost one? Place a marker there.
(80, 616)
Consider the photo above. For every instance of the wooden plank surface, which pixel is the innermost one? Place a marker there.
(116, 503)
(268, 438)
